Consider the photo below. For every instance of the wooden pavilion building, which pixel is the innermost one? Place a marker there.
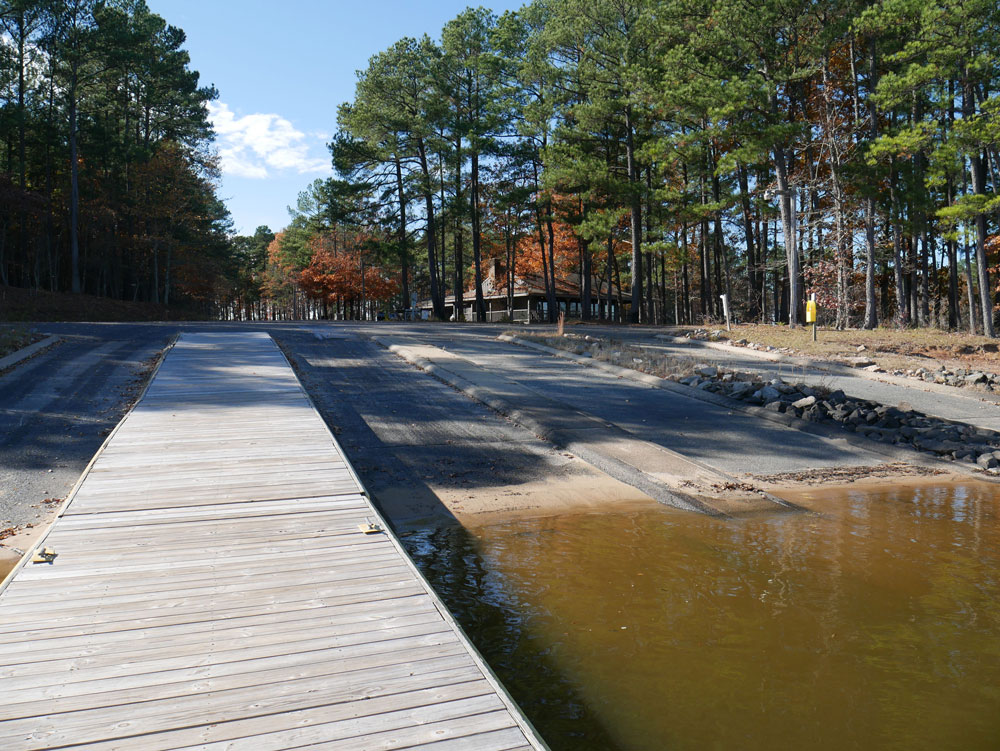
(529, 303)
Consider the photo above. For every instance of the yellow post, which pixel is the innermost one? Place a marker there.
(811, 313)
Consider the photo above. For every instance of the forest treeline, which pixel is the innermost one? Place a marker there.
(766, 150)
(107, 170)
(681, 149)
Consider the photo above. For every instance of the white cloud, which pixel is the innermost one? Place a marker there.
(251, 145)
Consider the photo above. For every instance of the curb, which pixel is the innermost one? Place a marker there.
(24, 353)
(897, 453)
(834, 368)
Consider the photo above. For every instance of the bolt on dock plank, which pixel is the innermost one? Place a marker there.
(212, 586)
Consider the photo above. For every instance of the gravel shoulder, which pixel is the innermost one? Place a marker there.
(974, 407)
(900, 433)
(55, 411)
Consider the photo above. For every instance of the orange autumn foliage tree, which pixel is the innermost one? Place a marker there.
(566, 250)
(993, 256)
(528, 254)
(278, 285)
(335, 273)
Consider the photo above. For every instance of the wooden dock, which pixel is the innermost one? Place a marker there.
(212, 589)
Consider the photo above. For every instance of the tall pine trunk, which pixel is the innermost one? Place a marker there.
(22, 235)
(74, 190)
(401, 239)
(437, 299)
(902, 316)
(979, 188)
(477, 257)
(982, 266)
(785, 204)
(459, 237)
(753, 285)
(635, 225)
(969, 287)
(871, 309)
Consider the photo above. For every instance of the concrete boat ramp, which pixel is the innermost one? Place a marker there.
(213, 587)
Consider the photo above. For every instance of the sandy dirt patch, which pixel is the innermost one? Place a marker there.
(570, 485)
(842, 476)
(16, 542)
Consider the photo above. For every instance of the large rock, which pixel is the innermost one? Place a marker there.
(938, 447)
(807, 401)
(768, 394)
(860, 362)
(707, 371)
(740, 389)
(987, 461)
(813, 413)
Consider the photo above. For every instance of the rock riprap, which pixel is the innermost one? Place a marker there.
(947, 440)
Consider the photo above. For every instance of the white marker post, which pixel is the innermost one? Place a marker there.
(725, 309)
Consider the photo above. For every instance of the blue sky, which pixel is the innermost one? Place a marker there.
(281, 70)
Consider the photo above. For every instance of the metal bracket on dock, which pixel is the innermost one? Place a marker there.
(45, 555)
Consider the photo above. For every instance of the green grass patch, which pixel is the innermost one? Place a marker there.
(13, 338)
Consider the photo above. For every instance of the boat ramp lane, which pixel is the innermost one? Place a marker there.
(220, 579)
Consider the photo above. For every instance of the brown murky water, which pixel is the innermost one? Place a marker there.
(873, 623)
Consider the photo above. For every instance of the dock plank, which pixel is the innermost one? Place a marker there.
(212, 589)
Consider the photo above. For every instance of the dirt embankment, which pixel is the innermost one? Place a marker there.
(18, 304)
(892, 349)
(13, 338)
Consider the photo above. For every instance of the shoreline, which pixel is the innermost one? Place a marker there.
(481, 507)
(810, 495)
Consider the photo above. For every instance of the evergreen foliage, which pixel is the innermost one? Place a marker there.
(693, 148)
(107, 178)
